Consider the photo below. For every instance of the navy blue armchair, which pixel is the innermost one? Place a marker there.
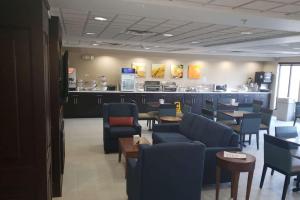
(171, 171)
(111, 134)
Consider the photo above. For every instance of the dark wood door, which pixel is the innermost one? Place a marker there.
(25, 140)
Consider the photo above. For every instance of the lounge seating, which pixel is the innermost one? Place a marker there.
(166, 172)
(215, 136)
(119, 120)
(297, 112)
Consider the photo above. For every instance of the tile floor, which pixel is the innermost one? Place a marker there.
(92, 175)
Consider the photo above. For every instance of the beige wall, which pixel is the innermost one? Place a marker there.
(215, 69)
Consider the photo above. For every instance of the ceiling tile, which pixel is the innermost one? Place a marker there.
(230, 3)
(288, 9)
(261, 5)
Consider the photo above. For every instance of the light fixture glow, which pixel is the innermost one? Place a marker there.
(95, 44)
(195, 42)
(147, 48)
(168, 35)
(246, 33)
(100, 19)
(90, 33)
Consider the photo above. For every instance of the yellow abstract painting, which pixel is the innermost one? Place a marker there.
(176, 71)
(158, 70)
(140, 69)
(194, 71)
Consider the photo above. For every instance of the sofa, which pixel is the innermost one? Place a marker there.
(119, 120)
(215, 136)
(161, 172)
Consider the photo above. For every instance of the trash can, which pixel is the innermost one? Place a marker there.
(285, 109)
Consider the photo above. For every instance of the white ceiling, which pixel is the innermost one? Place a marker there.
(198, 26)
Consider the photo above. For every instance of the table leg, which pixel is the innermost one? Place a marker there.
(218, 177)
(120, 154)
(249, 183)
(235, 184)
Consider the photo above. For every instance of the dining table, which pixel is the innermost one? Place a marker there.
(237, 115)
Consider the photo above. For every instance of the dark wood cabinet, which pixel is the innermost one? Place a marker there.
(89, 104)
(25, 141)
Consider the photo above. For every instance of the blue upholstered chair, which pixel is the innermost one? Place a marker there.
(111, 133)
(167, 109)
(250, 126)
(168, 171)
(297, 112)
(245, 107)
(266, 117)
(277, 156)
(257, 105)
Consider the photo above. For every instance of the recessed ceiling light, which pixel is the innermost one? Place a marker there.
(100, 19)
(195, 42)
(90, 33)
(246, 33)
(168, 35)
(147, 48)
(95, 44)
(296, 48)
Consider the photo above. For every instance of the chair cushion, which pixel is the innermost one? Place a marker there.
(186, 123)
(198, 127)
(263, 127)
(121, 121)
(118, 131)
(168, 137)
(295, 165)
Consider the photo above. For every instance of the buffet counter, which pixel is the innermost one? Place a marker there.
(88, 104)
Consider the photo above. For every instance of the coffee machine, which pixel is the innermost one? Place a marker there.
(264, 80)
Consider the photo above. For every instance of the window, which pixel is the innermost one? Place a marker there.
(289, 81)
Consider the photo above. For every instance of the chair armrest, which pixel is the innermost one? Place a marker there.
(138, 127)
(174, 127)
(106, 125)
(132, 181)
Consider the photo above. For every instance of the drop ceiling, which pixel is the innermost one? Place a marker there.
(266, 28)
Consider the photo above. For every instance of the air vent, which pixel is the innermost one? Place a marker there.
(179, 49)
(139, 32)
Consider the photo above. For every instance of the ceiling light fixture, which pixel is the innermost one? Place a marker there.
(90, 33)
(168, 35)
(147, 48)
(195, 42)
(100, 19)
(95, 44)
(246, 33)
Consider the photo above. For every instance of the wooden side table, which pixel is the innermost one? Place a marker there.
(235, 166)
(170, 119)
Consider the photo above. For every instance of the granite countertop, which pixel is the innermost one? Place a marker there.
(141, 92)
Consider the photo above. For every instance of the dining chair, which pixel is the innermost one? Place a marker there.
(185, 109)
(249, 126)
(297, 112)
(245, 107)
(225, 119)
(266, 117)
(286, 132)
(166, 110)
(257, 105)
(278, 157)
(208, 113)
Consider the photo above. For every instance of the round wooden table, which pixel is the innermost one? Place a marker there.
(170, 119)
(235, 166)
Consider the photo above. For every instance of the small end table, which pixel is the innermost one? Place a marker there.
(235, 166)
(170, 119)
